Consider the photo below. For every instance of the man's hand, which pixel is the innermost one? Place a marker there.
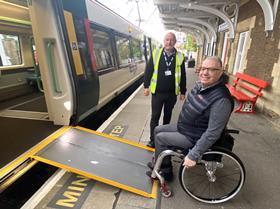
(182, 97)
(146, 91)
(188, 162)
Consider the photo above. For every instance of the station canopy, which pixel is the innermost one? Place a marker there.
(200, 18)
(204, 18)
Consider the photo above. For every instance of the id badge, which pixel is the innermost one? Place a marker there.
(167, 73)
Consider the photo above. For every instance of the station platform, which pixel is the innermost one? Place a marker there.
(257, 145)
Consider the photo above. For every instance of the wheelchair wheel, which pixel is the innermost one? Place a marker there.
(216, 178)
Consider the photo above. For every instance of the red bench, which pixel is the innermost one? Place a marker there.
(246, 90)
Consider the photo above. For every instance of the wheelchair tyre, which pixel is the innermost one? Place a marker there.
(229, 177)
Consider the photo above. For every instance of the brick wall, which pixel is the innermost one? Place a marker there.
(261, 52)
(264, 52)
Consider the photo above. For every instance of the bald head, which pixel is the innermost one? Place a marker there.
(169, 41)
(170, 34)
(217, 60)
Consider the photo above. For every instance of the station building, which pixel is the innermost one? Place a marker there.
(245, 34)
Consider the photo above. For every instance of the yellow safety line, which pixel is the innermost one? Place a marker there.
(98, 178)
(154, 189)
(17, 175)
(116, 138)
(34, 150)
(13, 20)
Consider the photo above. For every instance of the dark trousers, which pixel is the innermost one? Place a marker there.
(159, 101)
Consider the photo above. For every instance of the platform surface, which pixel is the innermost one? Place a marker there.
(257, 145)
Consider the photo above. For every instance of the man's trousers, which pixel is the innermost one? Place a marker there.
(159, 101)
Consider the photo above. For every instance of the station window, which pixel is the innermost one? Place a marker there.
(123, 50)
(102, 49)
(240, 54)
(137, 49)
(9, 50)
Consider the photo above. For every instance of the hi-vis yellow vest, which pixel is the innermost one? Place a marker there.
(178, 63)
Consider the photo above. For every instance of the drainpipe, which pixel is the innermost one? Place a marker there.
(275, 8)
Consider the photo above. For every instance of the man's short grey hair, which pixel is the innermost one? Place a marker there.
(217, 59)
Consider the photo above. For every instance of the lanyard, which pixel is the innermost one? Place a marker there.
(166, 60)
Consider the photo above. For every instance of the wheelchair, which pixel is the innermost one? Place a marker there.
(217, 177)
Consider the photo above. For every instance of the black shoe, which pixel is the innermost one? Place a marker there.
(151, 165)
(151, 144)
(167, 176)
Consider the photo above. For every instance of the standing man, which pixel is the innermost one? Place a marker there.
(203, 118)
(166, 76)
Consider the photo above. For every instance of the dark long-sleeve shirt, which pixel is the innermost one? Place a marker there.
(219, 115)
(194, 121)
(165, 84)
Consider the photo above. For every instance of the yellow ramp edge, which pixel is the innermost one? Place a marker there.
(7, 169)
(153, 194)
(101, 179)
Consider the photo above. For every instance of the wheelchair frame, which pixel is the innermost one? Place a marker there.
(212, 161)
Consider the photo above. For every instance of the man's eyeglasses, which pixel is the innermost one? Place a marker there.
(209, 69)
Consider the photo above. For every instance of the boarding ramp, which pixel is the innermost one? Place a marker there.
(105, 158)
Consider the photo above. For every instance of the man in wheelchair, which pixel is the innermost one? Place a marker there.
(202, 120)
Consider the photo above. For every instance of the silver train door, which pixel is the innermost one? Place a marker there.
(54, 65)
(65, 50)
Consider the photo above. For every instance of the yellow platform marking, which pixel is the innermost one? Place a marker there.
(32, 151)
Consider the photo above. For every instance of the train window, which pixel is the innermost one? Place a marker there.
(137, 49)
(9, 50)
(102, 49)
(123, 50)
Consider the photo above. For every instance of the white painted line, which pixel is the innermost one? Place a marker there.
(44, 190)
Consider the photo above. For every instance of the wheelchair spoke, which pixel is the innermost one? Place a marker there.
(217, 179)
(197, 183)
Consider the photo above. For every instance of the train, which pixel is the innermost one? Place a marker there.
(78, 53)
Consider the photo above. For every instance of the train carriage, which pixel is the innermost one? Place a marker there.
(84, 55)
(61, 61)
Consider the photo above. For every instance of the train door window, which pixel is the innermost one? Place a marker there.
(102, 49)
(10, 50)
(137, 49)
(123, 50)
